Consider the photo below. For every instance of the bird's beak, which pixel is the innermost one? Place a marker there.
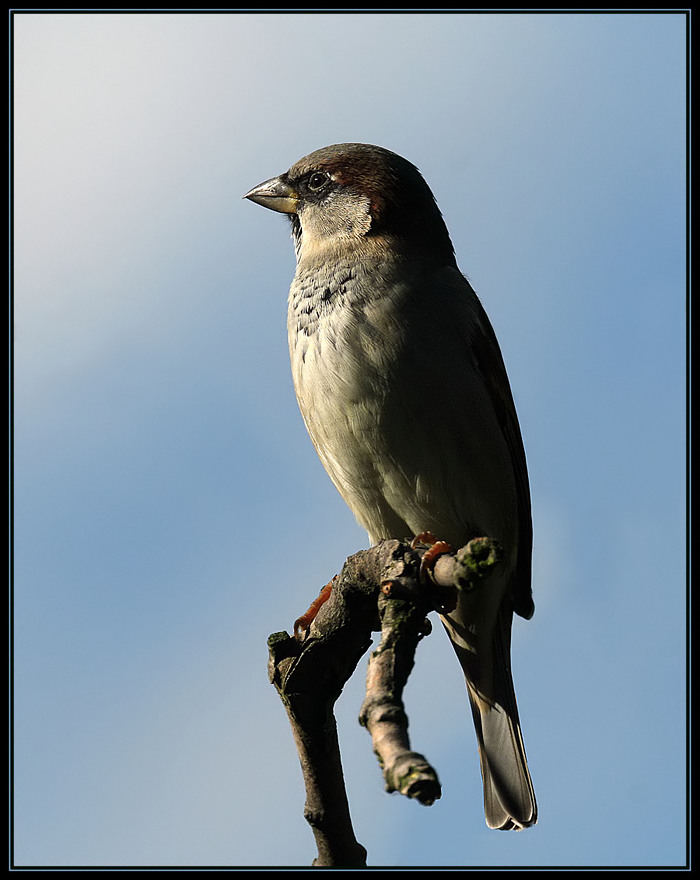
(276, 194)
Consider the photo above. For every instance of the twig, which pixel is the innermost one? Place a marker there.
(382, 713)
(378, 589)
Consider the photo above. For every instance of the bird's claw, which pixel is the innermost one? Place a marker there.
(302, 624)
(435, 549)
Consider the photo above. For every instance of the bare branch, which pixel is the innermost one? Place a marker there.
(384, 588)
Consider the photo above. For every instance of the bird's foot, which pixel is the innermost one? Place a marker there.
(435, 548)
(302, 624)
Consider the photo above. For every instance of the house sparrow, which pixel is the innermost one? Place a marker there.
(404, 393)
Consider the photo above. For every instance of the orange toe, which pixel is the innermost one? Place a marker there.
(301, 624)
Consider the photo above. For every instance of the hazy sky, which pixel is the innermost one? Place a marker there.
(170, 511)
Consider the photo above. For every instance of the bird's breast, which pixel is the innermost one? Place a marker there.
(394, 402)
(344, 343)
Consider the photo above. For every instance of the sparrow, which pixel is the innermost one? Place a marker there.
(404, 392)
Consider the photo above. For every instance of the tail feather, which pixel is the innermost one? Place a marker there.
(509, 797)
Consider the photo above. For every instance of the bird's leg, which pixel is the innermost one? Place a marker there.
(302, 624)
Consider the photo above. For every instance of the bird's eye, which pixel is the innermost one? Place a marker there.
(318, 180)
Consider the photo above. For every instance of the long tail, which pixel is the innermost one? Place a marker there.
(509, 796)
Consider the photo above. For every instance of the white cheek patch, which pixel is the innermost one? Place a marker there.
(343, 216)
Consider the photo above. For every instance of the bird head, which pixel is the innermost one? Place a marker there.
(357, 196)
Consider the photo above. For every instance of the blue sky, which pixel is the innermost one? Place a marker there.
(170, 511)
